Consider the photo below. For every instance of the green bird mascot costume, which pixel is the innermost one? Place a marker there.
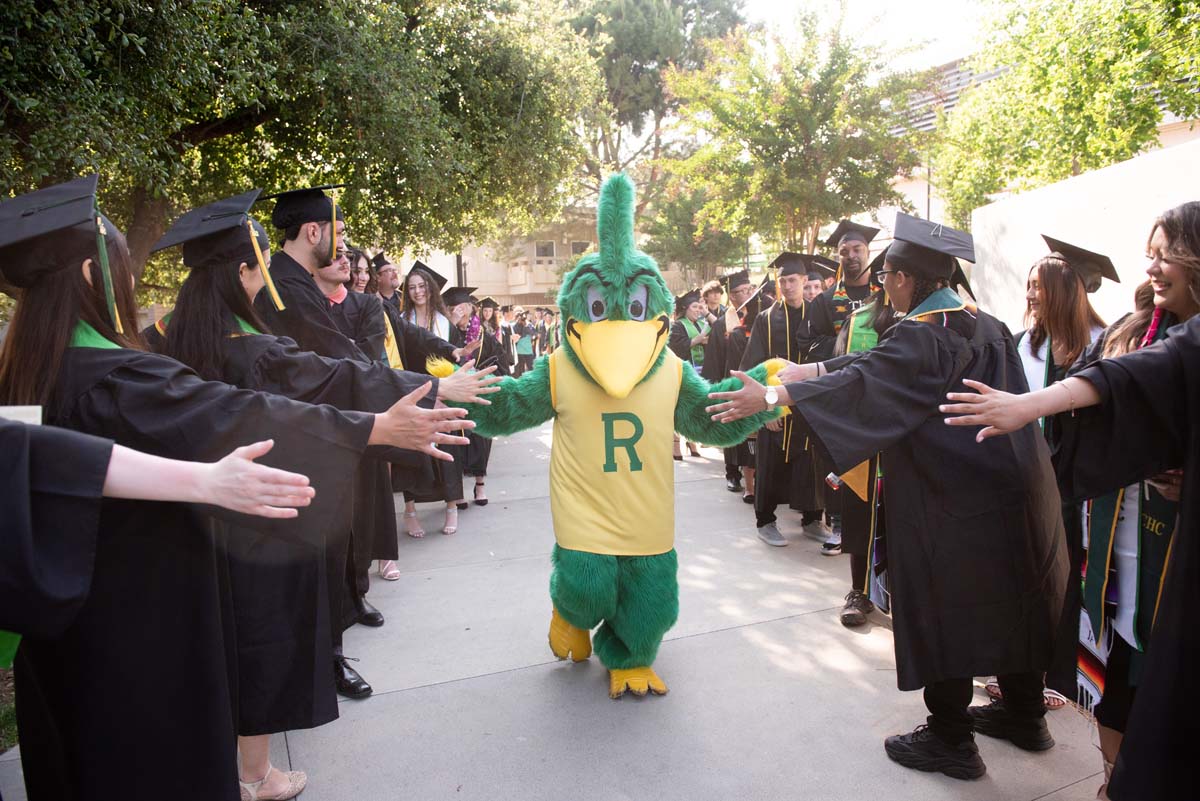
(616, 394)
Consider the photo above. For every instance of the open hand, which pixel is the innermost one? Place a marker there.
(407, 425)
(797, 372)
(467, 385)
(999, 412)
(750, 399)
(237, 483)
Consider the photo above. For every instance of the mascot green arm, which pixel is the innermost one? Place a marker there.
(696, 424)
(520, 404)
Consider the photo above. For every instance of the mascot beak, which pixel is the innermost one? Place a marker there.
(618, 353)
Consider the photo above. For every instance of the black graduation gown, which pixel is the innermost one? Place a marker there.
(716, 364)
(976, 555)
(680, 343)
(827, 314)
(436, 480)
(284, 654)
(139, 691)
(787, 471)
(743, 454)
(479, 451)
(1145, 424)
(51, 482)
(306, 317)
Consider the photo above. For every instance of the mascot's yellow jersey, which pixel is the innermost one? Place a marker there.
(612, 479)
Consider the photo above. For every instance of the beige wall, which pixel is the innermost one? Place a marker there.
(1108, 211)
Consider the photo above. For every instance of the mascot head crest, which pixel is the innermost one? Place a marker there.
(615, 304)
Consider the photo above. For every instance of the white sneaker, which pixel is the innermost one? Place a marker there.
(771, 535)
(817, 530)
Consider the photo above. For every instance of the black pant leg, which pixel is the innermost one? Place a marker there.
(1023, 695)
(947, 702)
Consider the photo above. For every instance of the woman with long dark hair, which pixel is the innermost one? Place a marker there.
(1125, 454)
(362, 273)
(491, 352)
(71, 348)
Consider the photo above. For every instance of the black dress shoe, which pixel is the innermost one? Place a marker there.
(349, 684)
(924, 750)
(748, 498)
(996, 721)
(733, 485)
(367, 614)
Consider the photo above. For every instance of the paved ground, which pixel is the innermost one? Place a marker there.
(771, 698)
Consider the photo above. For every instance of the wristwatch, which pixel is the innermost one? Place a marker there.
(771, 397)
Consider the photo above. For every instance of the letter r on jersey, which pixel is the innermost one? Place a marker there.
(628, 443)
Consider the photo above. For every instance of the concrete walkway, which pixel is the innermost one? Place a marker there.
(771, 698)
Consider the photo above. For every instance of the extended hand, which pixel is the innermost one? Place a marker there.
(797, 372)
(469, 386)
(748, 400)
(237, 483)
(1000, 412)
(407, 425)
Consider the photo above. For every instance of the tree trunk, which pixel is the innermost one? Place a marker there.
(149, 223)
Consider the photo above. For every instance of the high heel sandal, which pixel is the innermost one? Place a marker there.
(297, 780)
(388, 570)
(479, 501)
(451, 515)
(692, 449)
(412, 526)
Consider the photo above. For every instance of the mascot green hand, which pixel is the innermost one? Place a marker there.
(616, 394)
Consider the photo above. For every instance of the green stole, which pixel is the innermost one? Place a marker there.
(84, 336)
(862, 335)
(1156, 528)
(694, 330)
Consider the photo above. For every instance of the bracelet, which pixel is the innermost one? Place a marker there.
(819, 369)
(1070, 397)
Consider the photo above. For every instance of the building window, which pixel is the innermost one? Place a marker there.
(544, 250)
(579, 248)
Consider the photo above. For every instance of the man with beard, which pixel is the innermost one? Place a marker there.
(388, 279)
(716, 361)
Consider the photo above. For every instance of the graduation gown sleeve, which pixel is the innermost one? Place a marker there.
(52, 480)
(716, 365)
(306, 317)
(679, 342)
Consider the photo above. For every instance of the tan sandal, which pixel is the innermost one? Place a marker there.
(451, 520)
(297, 780)
(388, 570)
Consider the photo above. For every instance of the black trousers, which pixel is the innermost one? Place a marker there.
(732, 471)
(947, 702)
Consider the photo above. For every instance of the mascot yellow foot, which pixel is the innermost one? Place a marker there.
(639, 681)
(568, 641)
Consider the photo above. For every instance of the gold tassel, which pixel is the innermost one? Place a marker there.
(262, 265)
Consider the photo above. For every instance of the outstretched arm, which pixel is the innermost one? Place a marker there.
(694, 423)
(521, 403)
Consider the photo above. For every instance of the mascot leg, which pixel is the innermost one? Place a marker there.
(647, 607)
(583, 588)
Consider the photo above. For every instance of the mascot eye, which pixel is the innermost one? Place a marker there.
(597, 310)
(637, 303)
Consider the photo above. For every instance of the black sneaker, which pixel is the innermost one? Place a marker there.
(996, 721)
(733, 485)
(857, 607)
(923, 750)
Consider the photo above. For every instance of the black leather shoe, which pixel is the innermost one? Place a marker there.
(996, 721)
(347, 681)
(923, 750)
(733, 485)
(367, 614)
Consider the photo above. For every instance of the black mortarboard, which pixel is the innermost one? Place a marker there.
(381, 260)
(44, 231)
(1092, 268)
(754, 304)
(489, 303)
(458, 294)
(768, 287)
(819, 265)
(686, 299)
(438, 278)
(506, 309)
(876, 265)
(927, 248)
(788, 263)
(299, 206)
(847, 229)
(734, 280)
(222, 233)
(959, 279)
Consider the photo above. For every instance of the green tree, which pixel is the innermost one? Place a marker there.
(794, 136)
(636, 42)
(677, 234)
(1082, 86)
(446, 120)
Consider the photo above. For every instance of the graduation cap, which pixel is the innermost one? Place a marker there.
(222, 233)
(822, 266)
(876, 265)
(299, 206)
(506, 309)
(686, 299)
(959, 279)
(64, 220)
(847, 229)
(1092, 268)
(458, 294)
(734, 280)
(929, 249)
(789, 263)
(381, 260)
(489, 303)
(438, 278)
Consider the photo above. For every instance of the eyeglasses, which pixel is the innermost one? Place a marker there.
(882, 273)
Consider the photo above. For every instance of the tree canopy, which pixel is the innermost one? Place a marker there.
(447, 120)
(1083, 85)
(793, 136)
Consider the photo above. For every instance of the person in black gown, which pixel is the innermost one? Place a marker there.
(716, 357)
(1122, 420)
(169, 640)
(977, 561)
(283, 657)
(491, 352)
